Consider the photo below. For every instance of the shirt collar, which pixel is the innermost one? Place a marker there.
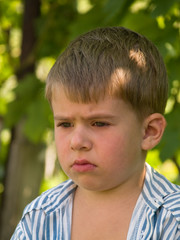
(155, 188)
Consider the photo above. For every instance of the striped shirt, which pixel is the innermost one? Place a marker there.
(156, 215)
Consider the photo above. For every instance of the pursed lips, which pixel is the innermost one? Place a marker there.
(82, 165)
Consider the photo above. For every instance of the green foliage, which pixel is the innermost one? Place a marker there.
(168, 168)
(103, 13)
(161, 7)
(60, 22)
(53, 27)
(53, 181)
(170, 144)
(35, 127)
(31, 105)
(10, 18)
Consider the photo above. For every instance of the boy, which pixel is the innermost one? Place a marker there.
(108, 92)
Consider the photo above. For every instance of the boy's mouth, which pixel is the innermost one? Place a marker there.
(83, 165)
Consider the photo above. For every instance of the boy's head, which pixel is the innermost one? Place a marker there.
(112, 61)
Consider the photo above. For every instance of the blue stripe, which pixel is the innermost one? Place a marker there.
(54, 226)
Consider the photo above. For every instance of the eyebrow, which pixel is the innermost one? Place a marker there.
(93, 116)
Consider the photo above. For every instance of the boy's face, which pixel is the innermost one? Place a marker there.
(98, 144)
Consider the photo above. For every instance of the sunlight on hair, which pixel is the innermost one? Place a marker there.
(138, 57)
(119, 78)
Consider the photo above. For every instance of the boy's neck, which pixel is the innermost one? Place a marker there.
(106, 214)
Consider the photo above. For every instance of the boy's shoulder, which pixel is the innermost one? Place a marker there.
(162, 193)
(52, 199)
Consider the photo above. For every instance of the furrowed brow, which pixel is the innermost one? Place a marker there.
(90, 117)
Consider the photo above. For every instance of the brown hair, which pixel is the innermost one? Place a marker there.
(114, 61)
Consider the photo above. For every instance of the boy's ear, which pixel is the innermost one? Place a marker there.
(153, 129)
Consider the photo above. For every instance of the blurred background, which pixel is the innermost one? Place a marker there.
(32, 34)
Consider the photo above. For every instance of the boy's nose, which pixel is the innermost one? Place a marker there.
(80, 141)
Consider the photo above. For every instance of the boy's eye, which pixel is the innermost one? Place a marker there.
(100, 124)
(64, 124)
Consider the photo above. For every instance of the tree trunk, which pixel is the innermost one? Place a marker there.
(25, 163)
(23, 177)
